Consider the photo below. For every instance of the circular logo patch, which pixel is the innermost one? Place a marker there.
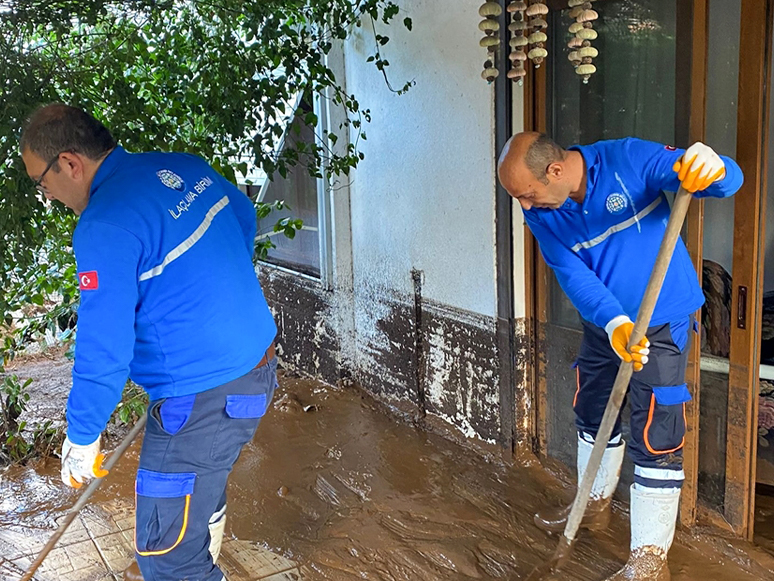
(171, 180)
(616, 203)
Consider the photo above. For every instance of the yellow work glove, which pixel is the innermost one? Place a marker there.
(699, 168)
(619, 330)
(80, 463)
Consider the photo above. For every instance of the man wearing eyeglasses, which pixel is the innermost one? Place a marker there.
(169, 297)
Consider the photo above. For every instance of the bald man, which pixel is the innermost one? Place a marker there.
(599, 214)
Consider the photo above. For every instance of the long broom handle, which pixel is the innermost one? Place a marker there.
(664, 257)
(84, 498)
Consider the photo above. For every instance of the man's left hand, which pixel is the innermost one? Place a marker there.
(699, 168)
(80, 463)
(619, 331)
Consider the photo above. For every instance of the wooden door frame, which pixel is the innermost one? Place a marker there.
(537, 279)
(693, 237)
(536, 273)
(748, 253)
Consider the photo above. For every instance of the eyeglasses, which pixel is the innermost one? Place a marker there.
(42, 190)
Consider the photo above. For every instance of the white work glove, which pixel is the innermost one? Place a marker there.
(619, 331)
(80, 463)
(699, 168)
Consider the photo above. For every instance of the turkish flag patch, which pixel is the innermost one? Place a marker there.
(88, 280)
(670, 148)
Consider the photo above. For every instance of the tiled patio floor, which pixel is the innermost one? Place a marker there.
(98, 547)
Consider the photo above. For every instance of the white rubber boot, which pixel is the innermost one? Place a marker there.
(653, 520)
(609, 470)
(217, 526)
(597, 516)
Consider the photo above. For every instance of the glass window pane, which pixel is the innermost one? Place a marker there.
(633, 93)
(299, 191)
(722, 95)
(633, 90)
(765, 462)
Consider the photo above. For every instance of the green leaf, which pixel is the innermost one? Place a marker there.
(140, 67)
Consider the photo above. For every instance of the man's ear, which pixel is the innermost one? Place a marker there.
(71, 164)
(555, 170)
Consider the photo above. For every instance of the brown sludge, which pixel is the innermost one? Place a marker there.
(353, 493)
(646, 564)
(596, 518)
(132, 573)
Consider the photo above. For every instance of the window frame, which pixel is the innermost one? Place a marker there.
(320, 106)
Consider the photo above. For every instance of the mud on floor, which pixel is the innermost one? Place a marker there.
(334, 482)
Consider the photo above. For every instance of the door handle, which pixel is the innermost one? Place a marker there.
(741, 308)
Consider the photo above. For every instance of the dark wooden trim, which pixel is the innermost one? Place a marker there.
(749, 225)
(536, 421)
(694, 240)
(540, 98)
(535, 112)
(684, 68)
(419, 340)
(712, 518)
(541, 275)
(504, 248)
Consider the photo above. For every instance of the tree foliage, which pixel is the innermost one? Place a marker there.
(20, 442)
(212, 77)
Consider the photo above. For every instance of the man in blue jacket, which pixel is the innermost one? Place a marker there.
(599, 214)
(169, 297)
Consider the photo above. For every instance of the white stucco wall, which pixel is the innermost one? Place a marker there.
(423, 197)
(519, 226)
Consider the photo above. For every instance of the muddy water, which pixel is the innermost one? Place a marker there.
(334, 482)
(764, 518)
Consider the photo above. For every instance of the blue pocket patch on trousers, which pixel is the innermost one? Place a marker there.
(679, 332)
(246, 406)
(164, 484)
(672, 395)
(175, 412)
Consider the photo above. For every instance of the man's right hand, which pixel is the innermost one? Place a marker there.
(81, 462)
(619, 331)
(699, 168)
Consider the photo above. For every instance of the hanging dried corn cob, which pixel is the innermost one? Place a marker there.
(519, 28)
(490, 26)
(581, 52)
